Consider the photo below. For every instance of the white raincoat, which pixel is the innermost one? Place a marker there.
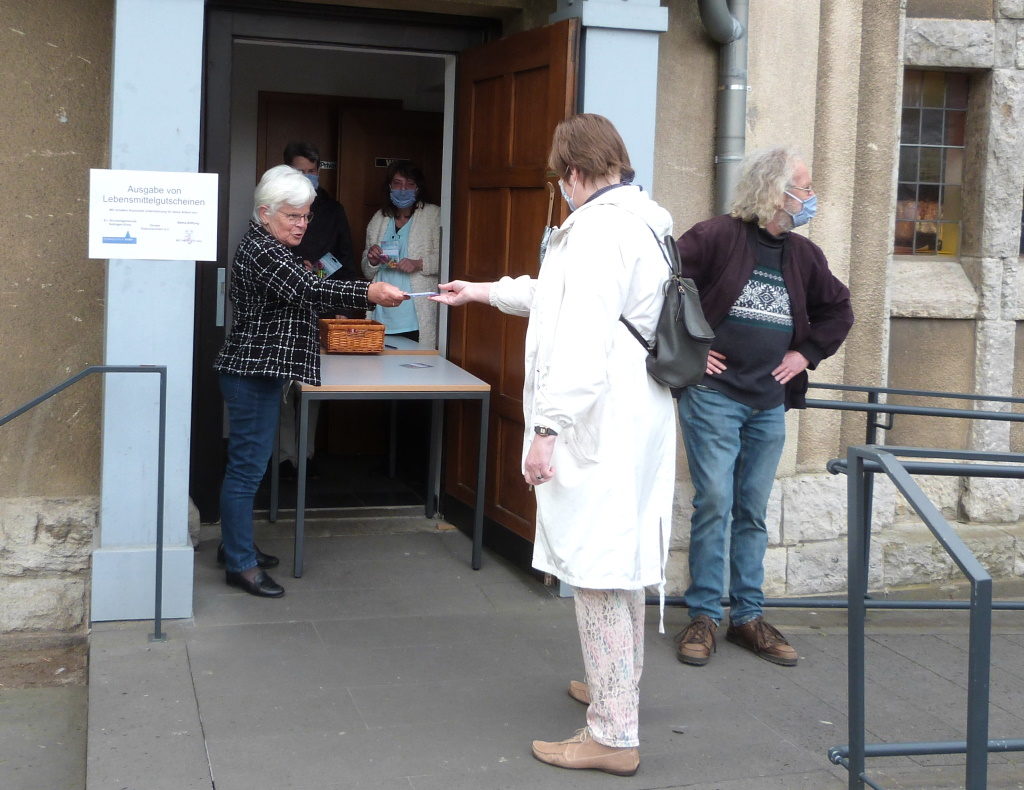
(603, 522)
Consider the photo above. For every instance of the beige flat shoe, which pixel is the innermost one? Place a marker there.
(579, 691)
(582, 751)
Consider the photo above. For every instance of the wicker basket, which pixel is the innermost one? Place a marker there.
(351, 336)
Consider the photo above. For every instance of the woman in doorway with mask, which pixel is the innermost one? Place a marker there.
(596, 450)
(273, 340)
(403, 248)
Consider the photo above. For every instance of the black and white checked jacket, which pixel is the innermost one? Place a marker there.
(276, 303)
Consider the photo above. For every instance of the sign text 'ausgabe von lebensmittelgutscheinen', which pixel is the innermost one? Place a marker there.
(151, 215)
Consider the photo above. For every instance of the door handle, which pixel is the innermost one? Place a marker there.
(222, 279)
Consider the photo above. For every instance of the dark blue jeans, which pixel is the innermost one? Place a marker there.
(254, 403)
(733, 452)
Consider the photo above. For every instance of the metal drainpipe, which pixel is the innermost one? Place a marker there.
(726, 23)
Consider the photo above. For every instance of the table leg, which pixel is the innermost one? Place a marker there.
(393, 440)
(275, 472)
(433, 503)
(300, 486)
(481, 484)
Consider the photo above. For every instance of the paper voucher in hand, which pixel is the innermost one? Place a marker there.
(329, 264)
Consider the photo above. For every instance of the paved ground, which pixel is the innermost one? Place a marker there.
(392, 665)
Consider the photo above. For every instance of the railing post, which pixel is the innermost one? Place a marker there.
(857, 589)
(158, 635)
(978, 667)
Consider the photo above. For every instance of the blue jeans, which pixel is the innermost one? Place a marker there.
(733, 452)
(254, 403)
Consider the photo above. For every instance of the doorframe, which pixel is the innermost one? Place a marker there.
(302, 24)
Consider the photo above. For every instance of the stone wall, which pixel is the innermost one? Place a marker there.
(807, 547)
(934, 324)
(45, 554)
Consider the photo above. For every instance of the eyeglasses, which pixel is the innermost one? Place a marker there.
(802, 189)
(295, 219)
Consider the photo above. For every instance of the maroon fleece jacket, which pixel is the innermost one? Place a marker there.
(719, 255)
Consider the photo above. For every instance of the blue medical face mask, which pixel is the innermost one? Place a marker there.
(403, 198)
(314, 179)
(808, 208)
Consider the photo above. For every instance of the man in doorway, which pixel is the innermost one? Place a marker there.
(328, 235)
(327, 249)
(776, 310)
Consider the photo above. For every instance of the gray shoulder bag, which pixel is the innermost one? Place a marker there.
(679, 355)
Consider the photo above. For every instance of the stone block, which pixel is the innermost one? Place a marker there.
(990, 279)
(775, 563)
(821, 568)
(1010, 307)
(1003, 165)
(947, 43)
(931, 289)
(912, 555)
(1012, 9)
(682, 509)
(1005, 45)
(943, 492)
(194, 523)
(677, 573)
(42, 604)
(992, 500)
(46, 536)
(814, 507)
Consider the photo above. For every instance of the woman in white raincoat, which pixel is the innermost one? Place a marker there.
(600, 442)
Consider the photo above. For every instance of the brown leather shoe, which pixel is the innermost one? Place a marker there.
(582, 751)
(579, 691)
(696, 642)
(764, 640)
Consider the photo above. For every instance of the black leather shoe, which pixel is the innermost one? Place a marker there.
(261, 584)
(263, 560)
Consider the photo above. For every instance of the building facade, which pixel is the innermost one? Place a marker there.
(908, 113)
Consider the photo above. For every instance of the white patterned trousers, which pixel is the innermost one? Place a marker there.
(611, 624)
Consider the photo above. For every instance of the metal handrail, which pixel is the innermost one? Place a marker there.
(157, 635)
(861, 463)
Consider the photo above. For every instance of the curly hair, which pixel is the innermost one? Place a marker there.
(763, 180)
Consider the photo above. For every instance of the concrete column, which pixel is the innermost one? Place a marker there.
(833, 174)
(874, 199)
(619, 69)
(155, 99)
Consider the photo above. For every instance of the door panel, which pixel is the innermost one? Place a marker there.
(511, 94)
(370, 139)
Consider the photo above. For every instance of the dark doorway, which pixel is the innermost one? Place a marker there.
(402, 63)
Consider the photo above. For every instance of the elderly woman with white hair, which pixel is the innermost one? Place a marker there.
(273, 340)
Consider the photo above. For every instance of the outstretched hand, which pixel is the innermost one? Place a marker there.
(385, 294)
(459, 292)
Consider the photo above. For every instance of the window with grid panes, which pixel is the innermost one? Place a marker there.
(929, 200)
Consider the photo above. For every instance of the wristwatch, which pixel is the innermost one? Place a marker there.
(541, 430)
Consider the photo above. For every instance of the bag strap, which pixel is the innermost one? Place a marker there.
(674, 265)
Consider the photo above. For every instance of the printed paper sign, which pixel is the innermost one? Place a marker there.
(150, 215)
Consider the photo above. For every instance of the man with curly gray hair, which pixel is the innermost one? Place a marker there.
(776, 310)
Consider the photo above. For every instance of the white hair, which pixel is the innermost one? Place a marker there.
(762, 184)
(281, 185)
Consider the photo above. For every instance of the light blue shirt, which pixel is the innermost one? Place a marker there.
(402, 318)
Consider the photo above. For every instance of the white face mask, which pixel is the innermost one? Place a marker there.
(568, 198)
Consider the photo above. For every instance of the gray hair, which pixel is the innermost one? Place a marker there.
(281, 185)
(763, 180)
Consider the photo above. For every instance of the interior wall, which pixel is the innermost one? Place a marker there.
(415, 80)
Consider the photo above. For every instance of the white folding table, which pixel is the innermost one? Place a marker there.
(407, 371)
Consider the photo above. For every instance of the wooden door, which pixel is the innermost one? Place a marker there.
(370, 140)
(510, 96)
